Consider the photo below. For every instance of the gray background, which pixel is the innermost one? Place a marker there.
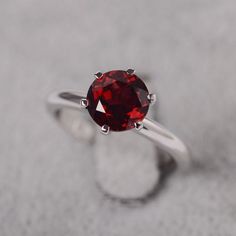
(188, 48)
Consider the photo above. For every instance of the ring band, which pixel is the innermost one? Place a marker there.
(62, 103)
(163, 139)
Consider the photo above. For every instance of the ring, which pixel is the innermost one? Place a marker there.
(117, 101)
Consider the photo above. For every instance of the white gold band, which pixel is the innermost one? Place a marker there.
(61, 102)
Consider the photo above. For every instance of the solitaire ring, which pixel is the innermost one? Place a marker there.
(117, 101)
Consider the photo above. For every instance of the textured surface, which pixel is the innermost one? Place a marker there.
(188, 48)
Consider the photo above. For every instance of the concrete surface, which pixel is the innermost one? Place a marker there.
(188, 48)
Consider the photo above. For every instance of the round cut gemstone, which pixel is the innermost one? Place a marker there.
(118, 99)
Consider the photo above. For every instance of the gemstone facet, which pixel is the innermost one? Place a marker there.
(118, 100)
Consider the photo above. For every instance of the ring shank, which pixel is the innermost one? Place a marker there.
(62, 103)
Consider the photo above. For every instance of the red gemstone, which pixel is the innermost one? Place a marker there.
(118, 99)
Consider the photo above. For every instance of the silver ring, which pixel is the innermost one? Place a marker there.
(64, 106)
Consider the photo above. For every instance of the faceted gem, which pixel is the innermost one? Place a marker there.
(118, 99)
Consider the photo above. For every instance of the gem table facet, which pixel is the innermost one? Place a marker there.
(118, 99)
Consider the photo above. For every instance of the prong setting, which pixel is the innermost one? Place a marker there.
(98, 75)
(108, 107)
(105, 129)
(138, 125)
(130, 71)
(84, 103)
(152, 98)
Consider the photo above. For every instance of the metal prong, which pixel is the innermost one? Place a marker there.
(130, 71)
(84, 102)
(138, 125)
(98, 75)
(152, 98)
(105, 129)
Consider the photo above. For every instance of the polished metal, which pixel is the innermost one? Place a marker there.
(138, 125)
(84, 103)
(162, 138)
(98, 75)
(152, 98)
(130, 71)
(105, 129)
